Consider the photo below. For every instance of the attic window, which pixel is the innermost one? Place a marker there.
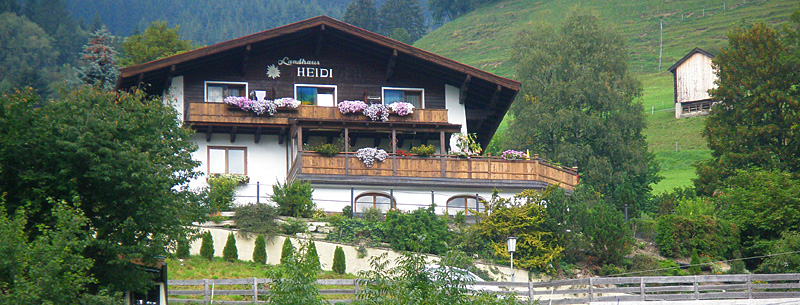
(414, 96)
(218, 91)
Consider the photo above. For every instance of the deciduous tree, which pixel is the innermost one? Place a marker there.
(577, 107)
(757, 120)
(157, 41)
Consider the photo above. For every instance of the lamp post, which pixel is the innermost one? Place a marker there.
(512, 247)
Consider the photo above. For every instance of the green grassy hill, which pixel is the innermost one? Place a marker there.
(484, 37)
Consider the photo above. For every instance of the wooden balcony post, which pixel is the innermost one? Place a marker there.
(346, 150)
(536, 168)
(299, 149)
(394, 152)
(442, 162)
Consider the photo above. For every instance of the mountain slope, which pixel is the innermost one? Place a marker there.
(484, 37)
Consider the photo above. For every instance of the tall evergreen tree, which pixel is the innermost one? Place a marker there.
(363, 14)
(9, 6)
(757, 120)
(25, 52)
(287, 252)
(405, 14)
(577, 108)
(312, 256)
(97, 65)
(339, 263)
(260, 250)
(230, 252)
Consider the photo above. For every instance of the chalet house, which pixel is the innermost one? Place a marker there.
(693, 76)
(260, 104)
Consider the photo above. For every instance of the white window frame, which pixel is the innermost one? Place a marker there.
(227, 158)
(421, 90)
(214, 82)
(335, 91)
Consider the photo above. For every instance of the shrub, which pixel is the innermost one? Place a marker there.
(694, 267)
(293, 226)
(339, 263)
(373, 214)
(256, 218)
(351, 230)
(347, 211)
(295, 281)
(788, 261)
(260, 250)
(287, 252)
(207, 246)
(221, 191)
(677, 235)
(424, 150)
(312, 257)
(230, 253)
(183, 249)
(293, 199)
(420, 230)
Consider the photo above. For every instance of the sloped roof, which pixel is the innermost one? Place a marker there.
(488, 95)
(687, 56)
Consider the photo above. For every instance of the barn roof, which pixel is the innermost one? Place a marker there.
(687, 56)
(487, 97)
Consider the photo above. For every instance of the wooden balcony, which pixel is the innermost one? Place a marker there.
(435, 170)
(204, 113)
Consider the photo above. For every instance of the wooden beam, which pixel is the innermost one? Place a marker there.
(495, 97)
(209, 131)
(320, 40)
(462, 93)
(140, 80)
(245, 58)
(257, 136)
(390, 65)
(233, 134)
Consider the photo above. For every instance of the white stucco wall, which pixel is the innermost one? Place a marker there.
(246, 244)
(266, 163)
(174, 96)
(456, 113)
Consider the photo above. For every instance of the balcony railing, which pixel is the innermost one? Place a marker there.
(308, 164)
(219, 113)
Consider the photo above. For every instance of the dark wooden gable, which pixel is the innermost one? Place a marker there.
(362, 61)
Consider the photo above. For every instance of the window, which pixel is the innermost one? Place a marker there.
(227, 160)
(412, 96)
(319, 95)
(377, 200)
(218, 91)
(462, 203)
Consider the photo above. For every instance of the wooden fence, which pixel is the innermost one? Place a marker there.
(577, 291)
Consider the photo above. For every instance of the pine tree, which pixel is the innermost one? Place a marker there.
(339, 263)
(183, 249)
(287, 252)
(260, 251)
(97, 65)
(312, 256)
(207, 246)
(363, 14)
(230, 253)
(694, 267)
(405, 14)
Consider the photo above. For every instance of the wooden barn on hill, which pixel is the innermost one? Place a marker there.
(693, 76)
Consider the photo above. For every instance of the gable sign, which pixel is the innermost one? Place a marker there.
(303, 68)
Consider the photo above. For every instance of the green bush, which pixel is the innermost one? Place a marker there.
(351, 230)
(347, 211)
(221, 190)
(230, 253)
(694, 263)
(789, 261)
(207, 246)
(287, 252)
(312, 256)
(421, 230)
(260, 250)
(643, 227)
(373, 214)
(293, 226)
(339, 263)
(293, 199)
(182, 250)
(295, 281)
(423, 150)
(677, 235)
(670, 268)
(256, 218)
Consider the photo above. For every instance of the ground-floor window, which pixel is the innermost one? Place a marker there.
(380, 201)
(227, 160)
(462, 203)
